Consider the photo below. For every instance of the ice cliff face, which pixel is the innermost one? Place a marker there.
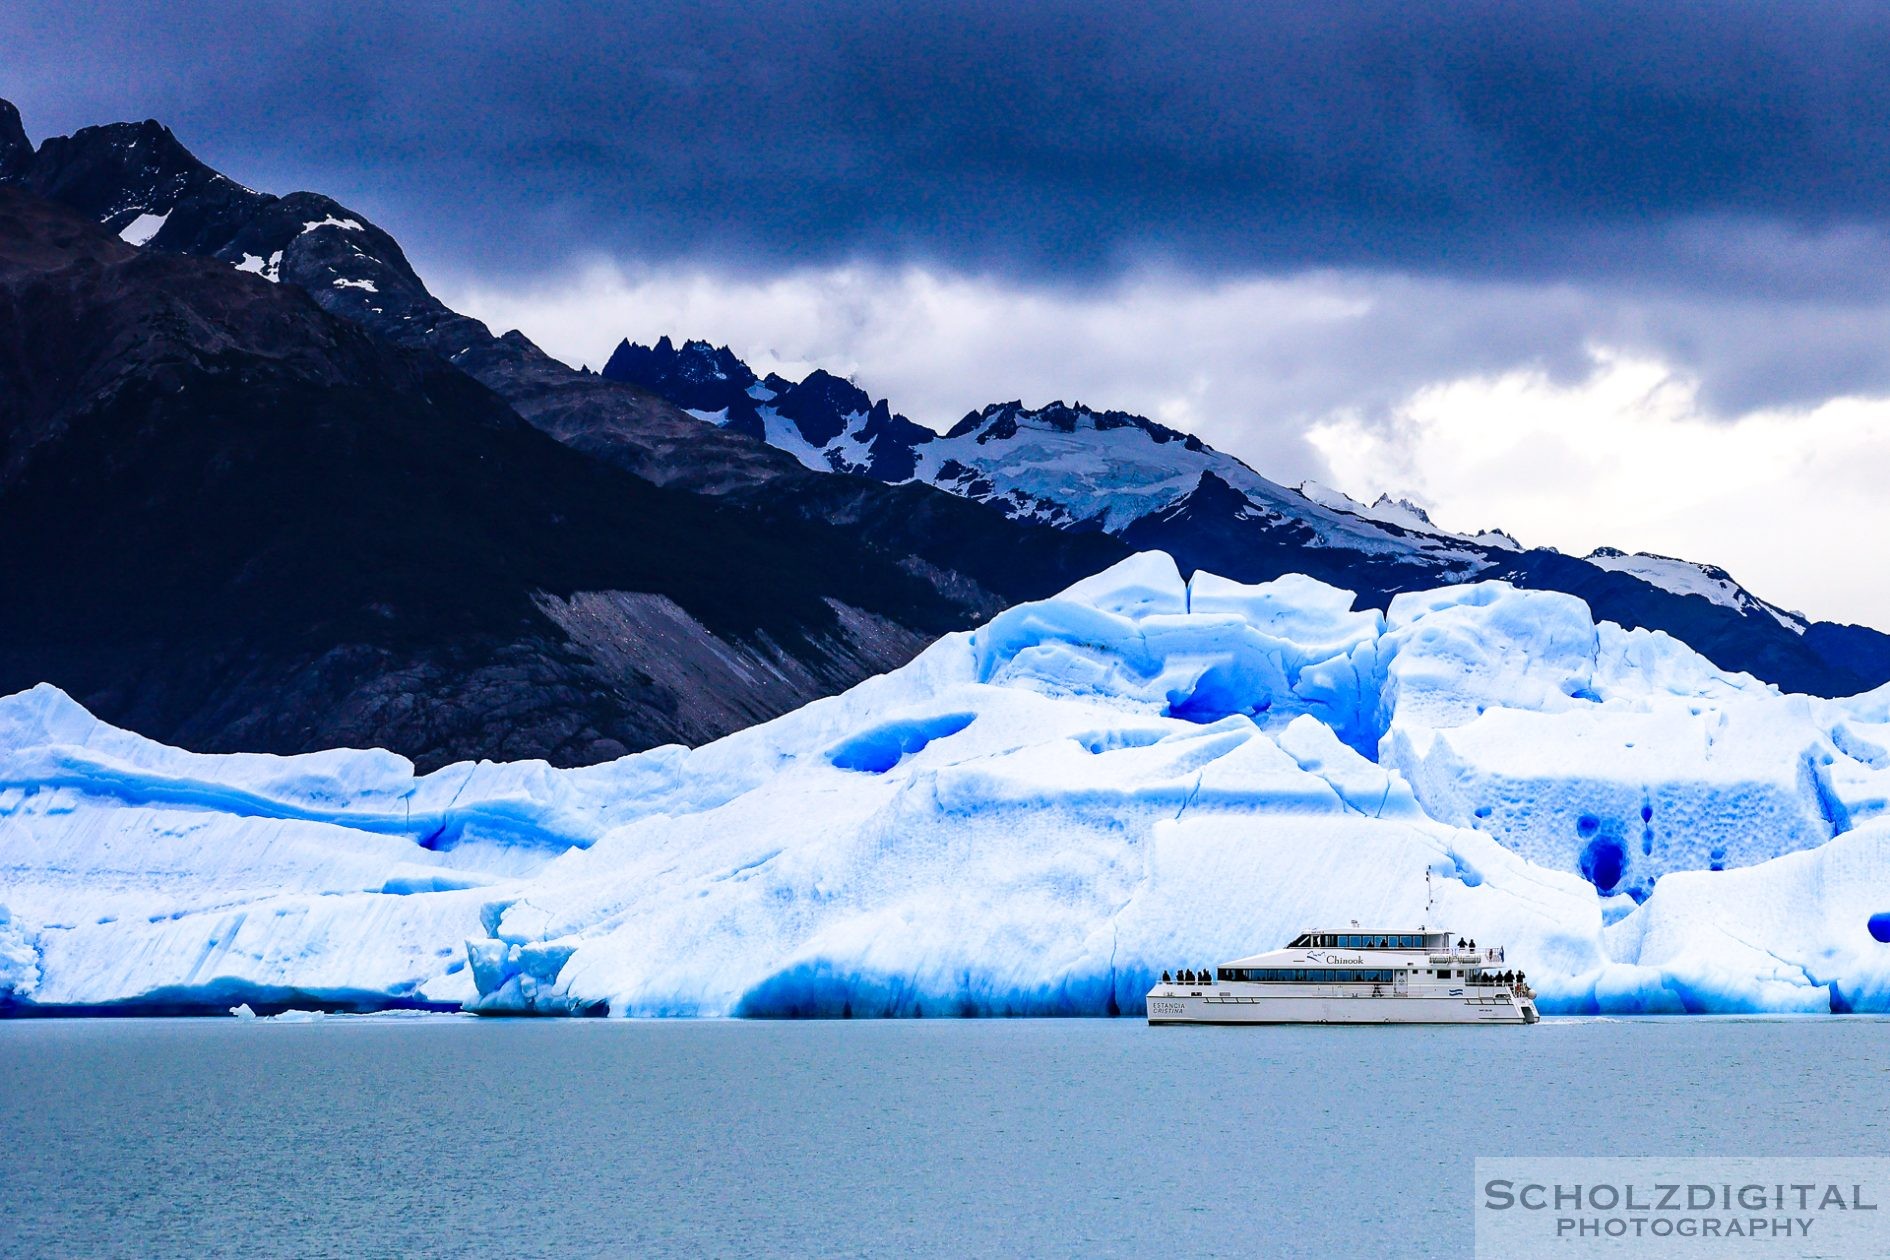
(1034, 817)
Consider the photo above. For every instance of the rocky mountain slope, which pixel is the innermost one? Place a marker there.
(548, 599)
(236, 518)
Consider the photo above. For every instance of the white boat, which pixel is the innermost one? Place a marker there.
(1352, 976)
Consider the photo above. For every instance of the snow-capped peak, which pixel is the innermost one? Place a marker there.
(1401, 513)
(1684, 577)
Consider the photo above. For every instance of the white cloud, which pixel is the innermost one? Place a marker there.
(1571, 416)
(1790, 501)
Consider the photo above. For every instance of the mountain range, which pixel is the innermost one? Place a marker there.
(1084, 470)
(262, 490)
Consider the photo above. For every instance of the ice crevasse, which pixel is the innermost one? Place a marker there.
(1034, 817)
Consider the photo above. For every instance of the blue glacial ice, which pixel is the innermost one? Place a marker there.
(1035, 817)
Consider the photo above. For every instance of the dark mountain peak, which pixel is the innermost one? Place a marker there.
(821, 405)
(840, 392)
(118, 171)
(708, 362)
(696, 375)
(975, 420)
(138, 180)
(892, 439)
(1211, 496)
(15, 149)
(631, 362)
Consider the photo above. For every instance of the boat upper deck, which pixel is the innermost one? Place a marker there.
(1433, 947)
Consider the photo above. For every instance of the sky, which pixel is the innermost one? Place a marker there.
(1607, 274)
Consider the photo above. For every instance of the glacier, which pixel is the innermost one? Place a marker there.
(1035, 817)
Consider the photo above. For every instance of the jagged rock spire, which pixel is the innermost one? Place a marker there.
(15, 149)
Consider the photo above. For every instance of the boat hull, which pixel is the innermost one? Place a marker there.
(1231, 1008)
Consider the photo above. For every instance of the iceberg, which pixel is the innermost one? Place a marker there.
(1035, 817)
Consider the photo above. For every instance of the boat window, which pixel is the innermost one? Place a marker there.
(1309, 975)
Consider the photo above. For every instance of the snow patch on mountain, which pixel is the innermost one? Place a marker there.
(346, 225)
(269, 268)
(141, 229)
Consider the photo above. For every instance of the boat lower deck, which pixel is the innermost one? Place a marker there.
(1336, 1008)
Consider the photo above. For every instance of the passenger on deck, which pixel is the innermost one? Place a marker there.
(1164, 977)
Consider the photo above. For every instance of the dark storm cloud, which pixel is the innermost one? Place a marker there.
(1467, 139)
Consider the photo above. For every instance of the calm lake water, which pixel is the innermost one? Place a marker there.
(449, 1136)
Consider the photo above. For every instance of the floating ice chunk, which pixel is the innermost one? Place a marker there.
(1034, 817)
(242, 1010)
